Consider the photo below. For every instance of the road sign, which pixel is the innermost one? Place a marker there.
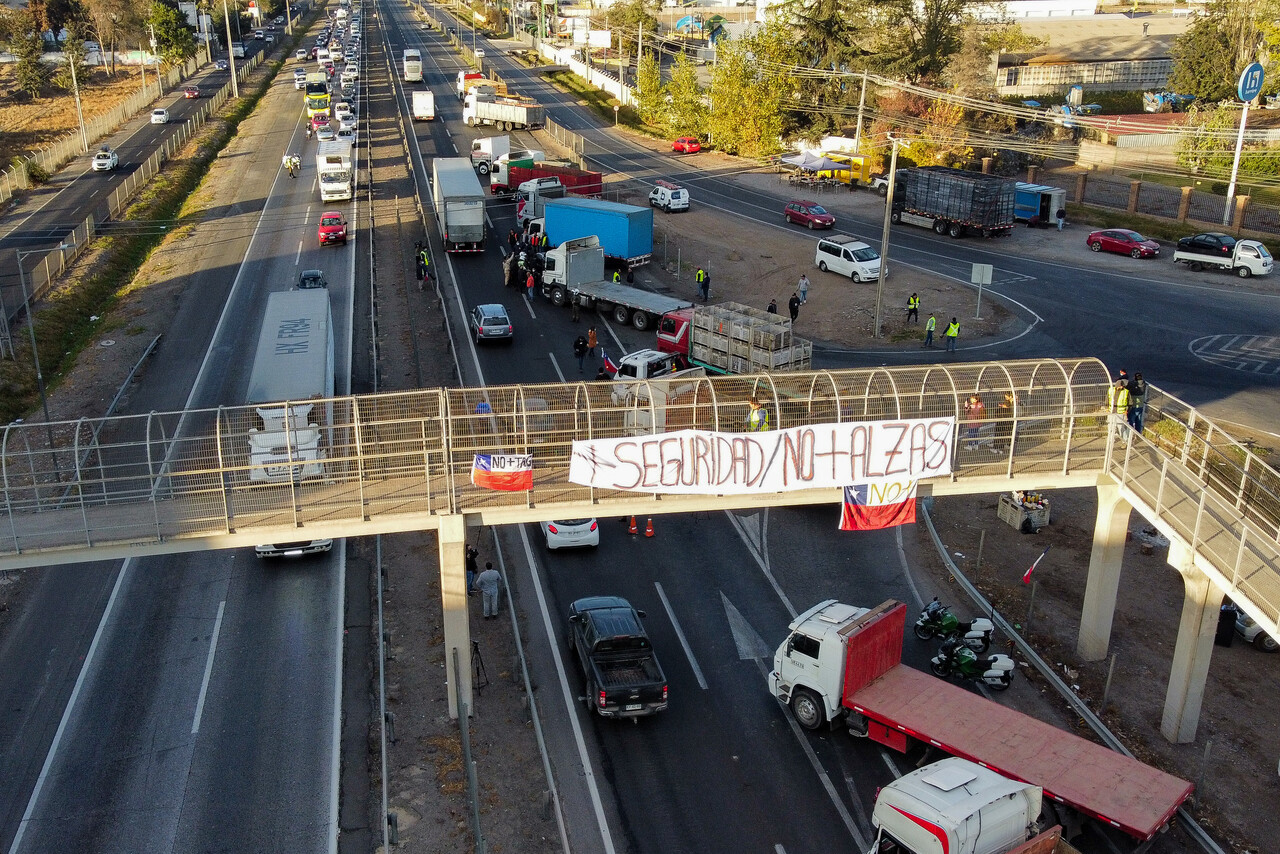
(1250, 85)
(981, 274)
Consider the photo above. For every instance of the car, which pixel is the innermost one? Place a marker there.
(490, 322)
(453, 31)
(571, 534)
(300, 79)
(311, 279)
(344, 107)
(479, 52)
(191, 92)
(279, 19)
(1208, 243)
(318, 121)
(348, 91)
(345, 135)
(222, 65)
(325, 132)
(333, 228)
(350, 74)
(1254, 633)
(259, 35)
(300, 54)
(806, 213)
(270, 39)
(1124, 242)
(159, 116)
(105, 160)
(687, 145)
(346, 121)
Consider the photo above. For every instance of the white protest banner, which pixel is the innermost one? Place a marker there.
(814, 456)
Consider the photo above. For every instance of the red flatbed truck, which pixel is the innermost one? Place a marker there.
(580, 182)
(841, 661)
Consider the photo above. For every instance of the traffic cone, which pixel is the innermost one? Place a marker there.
(633, 529)
(648, 528)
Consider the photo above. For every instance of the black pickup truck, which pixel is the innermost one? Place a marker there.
(624, 679)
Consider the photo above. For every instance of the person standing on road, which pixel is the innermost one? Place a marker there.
(490, 584)
(472, 554)
(930, 325)
(953, 332)
(704, 283)
(793, 306)
(580, 350)
(593, 341)
(1137, 402)
(802, 288)
(1061, 217)
(773, 306)
(528, 286)
(913, 308)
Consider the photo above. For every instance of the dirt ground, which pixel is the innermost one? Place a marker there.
(1241, 797)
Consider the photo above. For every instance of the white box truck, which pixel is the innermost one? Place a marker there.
(424, 105)
(291, 388)
(333, 164)
(459, 204)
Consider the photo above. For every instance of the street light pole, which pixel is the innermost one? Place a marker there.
(288, 17)
(884, 234)
(231, 51)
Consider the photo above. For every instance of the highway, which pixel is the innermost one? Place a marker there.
(206, 716)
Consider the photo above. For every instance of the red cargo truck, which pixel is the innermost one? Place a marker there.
(579, 182)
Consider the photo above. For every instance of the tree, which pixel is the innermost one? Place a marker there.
(918, 37)
(651, 96)
(688, 109)
(112, 22)
(73, 49)
(174, 41)
(1208, 148)
(625, 19)
(1208, 58)
(746, 98)
(828, 36)
(21, 33)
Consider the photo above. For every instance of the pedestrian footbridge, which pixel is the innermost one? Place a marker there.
(184, 481)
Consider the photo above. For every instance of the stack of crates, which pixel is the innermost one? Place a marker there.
(739, 339)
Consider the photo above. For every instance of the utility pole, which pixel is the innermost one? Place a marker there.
(75, 87)
(288, 17)
(154, 46)
(142, 63)
(884, 234)
(231, 53)
(862, 103)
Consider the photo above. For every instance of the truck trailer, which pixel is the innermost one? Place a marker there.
(625, 231)
(1038, 204)
(842, 663)
(580, 182)
(731, 338)
(502, 112)
(954, 201)
(334, 167)
(291, 388)
(459, 204)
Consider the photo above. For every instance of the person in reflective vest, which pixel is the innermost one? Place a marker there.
(930, 325)
(617, 277)
(953, 332)
(757, 418)
(1118, 409)
(701, 279)
(913, 308)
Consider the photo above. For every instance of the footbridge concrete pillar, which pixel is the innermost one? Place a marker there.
(1201, 602)
(453, 600)
(1105, 559)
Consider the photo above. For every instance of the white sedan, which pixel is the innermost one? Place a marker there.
(105, 160)
(571, 533)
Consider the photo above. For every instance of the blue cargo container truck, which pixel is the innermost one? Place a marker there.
(625, 231)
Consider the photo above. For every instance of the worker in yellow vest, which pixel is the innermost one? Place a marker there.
(930, 325)
(913, 308)
(1118, 409)
(953, 332)
(758, 417)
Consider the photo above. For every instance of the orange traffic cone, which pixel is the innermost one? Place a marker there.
(648, 528)
(633, 529)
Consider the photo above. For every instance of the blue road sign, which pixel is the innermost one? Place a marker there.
(1250, 85)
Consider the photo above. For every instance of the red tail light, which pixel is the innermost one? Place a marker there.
(509, 328)
(664, 693)
(601, 699)
(553, 529)
(593, 526)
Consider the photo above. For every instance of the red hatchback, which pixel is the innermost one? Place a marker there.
(808, 214)
(333, 228)
(1123, 241)
(687, 145)
(191, 92)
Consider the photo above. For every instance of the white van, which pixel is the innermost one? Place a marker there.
(850, 257)
(670, 197)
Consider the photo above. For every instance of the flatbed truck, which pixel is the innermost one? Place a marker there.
(574, 271)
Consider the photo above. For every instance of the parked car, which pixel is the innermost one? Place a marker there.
(1254, 633)
(490, 322)
(318, 121)
(105, 160)
(1209, 243)
(159, 116)
(808, 214)
(311, 279)
(571, 533)
(192, 91)
(687, 145)
(333, 228)
(1124, 242)
(300, 78)
(346, 121)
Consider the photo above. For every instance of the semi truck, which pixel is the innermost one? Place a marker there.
(731, 338)
(334, 167)
(954, 201)
(500, 168)
(574, 272)
(843, 663)
(488, 149)
(502, 112)
(465, 79)
(580, 182)
(291, 388)
(625, 231)
(532, 197)
(424, 105)
(459, 204)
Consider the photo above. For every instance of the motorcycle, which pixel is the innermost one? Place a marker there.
(956, 659)
(936, 620)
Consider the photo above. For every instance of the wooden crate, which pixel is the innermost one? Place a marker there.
(1014, 513)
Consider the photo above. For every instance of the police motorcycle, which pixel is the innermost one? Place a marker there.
(936, 620)
(956, 659)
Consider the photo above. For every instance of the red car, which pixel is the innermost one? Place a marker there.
(191, 92)
(318, 121)
(809, 214)
(333, 228)
(1123, 241)
(687, 145)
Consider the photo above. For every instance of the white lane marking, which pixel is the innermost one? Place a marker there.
(297, 256)
(528, 303)
(70, 708)
(208, 668)
(891, 765)
(684, 642)
(570, 704)
(778, 849)
(556, 365)
(622, 350)
(761, 558)
(906, 568)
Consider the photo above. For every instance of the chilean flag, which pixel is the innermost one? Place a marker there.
(608, 363)
(505, 472)
(879, 504)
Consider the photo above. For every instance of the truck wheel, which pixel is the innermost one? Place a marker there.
(640, 320)
(621, 314)
(1195, 266)
(822, 265)
(591, 696)
(484, 168)
(939, 226)
(1243, 272)
(558, 296)
(895, 217)
(807, 708)
(956, 230)
(471, 123)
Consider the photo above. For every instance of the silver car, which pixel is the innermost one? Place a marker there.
(490, 323)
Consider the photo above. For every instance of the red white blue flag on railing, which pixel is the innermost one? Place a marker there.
(608, 363)
(505, 472)
(878, 504)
